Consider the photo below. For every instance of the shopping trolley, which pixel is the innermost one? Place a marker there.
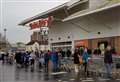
(116, 68)
(66, 65)
(96, 68)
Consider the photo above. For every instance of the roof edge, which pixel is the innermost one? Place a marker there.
(91, 12)
(41, 14)
(44, 14)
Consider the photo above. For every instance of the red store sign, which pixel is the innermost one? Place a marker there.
(41, 23)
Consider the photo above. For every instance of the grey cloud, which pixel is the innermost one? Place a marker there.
(14, 12)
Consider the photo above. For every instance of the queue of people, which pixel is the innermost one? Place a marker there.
(84, 59)
(81, 58)
(45, 58)
(6, 57)
(41, 59)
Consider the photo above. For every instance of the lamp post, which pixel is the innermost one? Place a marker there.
(5, 38)
(44, 33)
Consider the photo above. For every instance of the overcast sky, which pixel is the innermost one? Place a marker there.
(15, 11)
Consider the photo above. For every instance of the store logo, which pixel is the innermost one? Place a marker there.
(41, 23)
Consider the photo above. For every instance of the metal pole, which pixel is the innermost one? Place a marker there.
(44, 34)
(5, 39)
(41, 40)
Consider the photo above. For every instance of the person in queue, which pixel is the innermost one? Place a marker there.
(76, 60)
(85, 57)
(2, 57)
(26, 59)
(32, 60)
(41, 60)
(46, 59)
(18, 58)
(108, 60)
(68, 53)
(54, 58)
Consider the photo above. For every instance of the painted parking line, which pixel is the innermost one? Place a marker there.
(64, 81)
(118, 79)
(59, 80)
(88, 80)
(72, 79)
(102, 79)
(57, 73)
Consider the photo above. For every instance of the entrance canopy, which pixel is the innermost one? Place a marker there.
(60, 12)
(72, 10)
(105, 6)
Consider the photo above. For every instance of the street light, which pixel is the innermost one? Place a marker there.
(5, 38)
(44, 33)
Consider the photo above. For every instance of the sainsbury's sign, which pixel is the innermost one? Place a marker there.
(41, 23)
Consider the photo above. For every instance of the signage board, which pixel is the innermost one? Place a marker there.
(41, 23)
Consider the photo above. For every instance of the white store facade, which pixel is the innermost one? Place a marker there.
(98, 20)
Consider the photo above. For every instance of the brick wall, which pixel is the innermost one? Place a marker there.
(113, 41)
(117, 44)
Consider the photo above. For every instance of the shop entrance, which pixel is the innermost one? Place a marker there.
(102, 44)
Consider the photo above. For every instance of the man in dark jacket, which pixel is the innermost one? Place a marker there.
(108, 61)
(46, 59)
(76, 60)
(68, 53)
(3, 57)
(26, 59)
(18, 58)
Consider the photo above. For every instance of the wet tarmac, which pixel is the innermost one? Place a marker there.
(9, 73)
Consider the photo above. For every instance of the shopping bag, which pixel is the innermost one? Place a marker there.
(81, 61)
(41, 60)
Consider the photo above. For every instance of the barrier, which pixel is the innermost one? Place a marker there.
(97, 66)
(66, 65)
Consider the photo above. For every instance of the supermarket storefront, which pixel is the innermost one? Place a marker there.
(92, 28)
